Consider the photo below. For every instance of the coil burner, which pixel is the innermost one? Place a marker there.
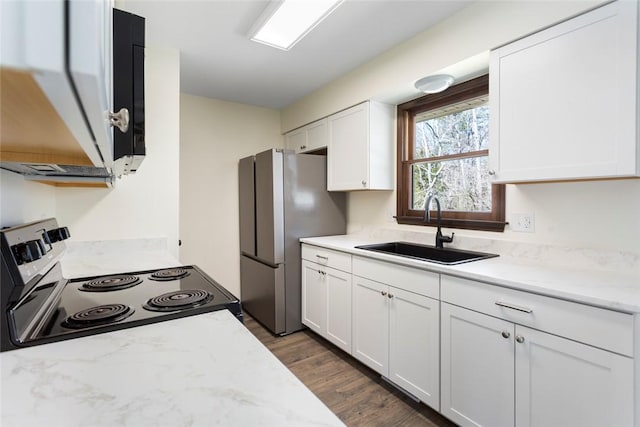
(110, 283)
(169, 274)
(179, 300)
(100, 315)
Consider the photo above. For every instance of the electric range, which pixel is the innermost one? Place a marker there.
(40, 306)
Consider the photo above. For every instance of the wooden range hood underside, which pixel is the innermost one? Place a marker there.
(32, 131)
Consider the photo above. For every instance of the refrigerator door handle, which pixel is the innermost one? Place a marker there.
(247, 205)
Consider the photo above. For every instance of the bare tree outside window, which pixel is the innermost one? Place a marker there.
(458, 182)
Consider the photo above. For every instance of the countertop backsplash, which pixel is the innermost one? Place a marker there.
(84, 258)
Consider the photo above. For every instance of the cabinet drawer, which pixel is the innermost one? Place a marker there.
(410, 279)
(328, 257)
(607, 329)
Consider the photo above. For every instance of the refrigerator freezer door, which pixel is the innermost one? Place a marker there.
(263, 293)
(269, 207)
(247, 206)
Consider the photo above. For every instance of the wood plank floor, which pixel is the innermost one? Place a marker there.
(355, 393)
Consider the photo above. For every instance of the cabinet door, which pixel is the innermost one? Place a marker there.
(348, 151)
(308, 138)
(371, 324)
(560, 382)
(338, 313)
(314, 293)
(477, 372)
(564, 100)
(414, 345)
(317, 135)
(90, 65)
(296, 140)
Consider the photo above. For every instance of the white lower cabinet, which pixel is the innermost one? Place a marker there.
(560, 382)
(481, 354)
(397, 332)
(477, 368)
(314, 295)
(371, 324)
(414, 333)
(496, 372)
(326, 299)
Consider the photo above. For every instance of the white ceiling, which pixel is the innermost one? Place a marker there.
(217, 59)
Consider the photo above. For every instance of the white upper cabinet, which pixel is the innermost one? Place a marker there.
(565, 101)
(311, 137)
(360, 152)
(57, 93)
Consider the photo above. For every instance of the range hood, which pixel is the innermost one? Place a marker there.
(72, 62)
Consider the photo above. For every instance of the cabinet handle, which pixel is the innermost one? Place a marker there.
(326, 258)
(383, 293)
(390, 295)
(491, 172)
(302, 147)
(520, 338)
(120, 120)
(505, 334)
(514, 307)
(364, 183)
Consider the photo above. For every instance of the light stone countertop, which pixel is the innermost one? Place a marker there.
(617, 289)
(100, 257)
(200, 370)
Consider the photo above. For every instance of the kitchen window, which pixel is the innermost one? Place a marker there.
(443, 149)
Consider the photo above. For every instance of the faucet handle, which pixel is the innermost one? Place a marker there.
(448, 239)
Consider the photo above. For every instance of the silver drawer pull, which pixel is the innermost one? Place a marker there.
(514, 307)
(326, 258)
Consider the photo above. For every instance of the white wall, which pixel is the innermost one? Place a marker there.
(144, 204)
(141, 205)
(214, 135)
(471, 32)
(598, 214)
(24, 201)
(587, 214)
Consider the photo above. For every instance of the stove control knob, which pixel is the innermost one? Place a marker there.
(29, 251)
(58, 234)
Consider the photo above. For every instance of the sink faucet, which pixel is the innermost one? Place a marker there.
(440, 239)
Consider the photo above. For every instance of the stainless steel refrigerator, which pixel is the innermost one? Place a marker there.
(283, 197)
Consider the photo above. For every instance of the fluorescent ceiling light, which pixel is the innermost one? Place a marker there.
(284, 23)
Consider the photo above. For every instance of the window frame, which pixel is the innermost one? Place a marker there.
(487, 221)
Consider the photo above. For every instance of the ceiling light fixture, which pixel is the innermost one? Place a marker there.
(285, 23)
(434, 84)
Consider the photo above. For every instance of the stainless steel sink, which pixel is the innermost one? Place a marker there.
(427, 253)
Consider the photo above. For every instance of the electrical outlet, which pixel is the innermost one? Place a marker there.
(523, 222)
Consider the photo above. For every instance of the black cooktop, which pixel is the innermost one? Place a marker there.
(83, 312)
(40, 306)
